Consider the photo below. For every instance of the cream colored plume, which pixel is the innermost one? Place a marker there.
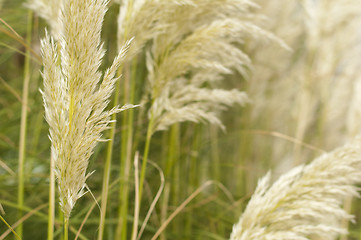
(306, 202)
(192, 45)
(312, 93)
(76, 94)
(147, 19)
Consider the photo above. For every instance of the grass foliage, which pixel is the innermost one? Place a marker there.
(217, 93)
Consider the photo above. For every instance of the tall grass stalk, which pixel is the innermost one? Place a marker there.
(137, 198)
(124, 166)
(107, 166)
(243, 154)
(172, 169)
(155, 200)
(60, 220)
(23, 124)
(171, 172)
(144, 165)
(51, 209)
(65, 228)
(106, 172)
(216, 163)
(145, 156)
(126, 153)
(193, 179)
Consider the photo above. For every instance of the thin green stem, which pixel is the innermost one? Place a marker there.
(144, 164)
(216, 163)
(165, 196)
(137, 199)
(145, 156)
(192, 180)
(172, 186)
(24, 113)
(60, 219)
(164, 208)
(65, 228)
(243, 154)
(173, 169)
(125, 161)
(121, 231)
(51, 211)
(120, 70)
(106, 176)
(12, 230)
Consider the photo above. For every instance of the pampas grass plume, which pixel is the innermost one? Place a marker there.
(74, 96)
(193, 44)
(305, 202)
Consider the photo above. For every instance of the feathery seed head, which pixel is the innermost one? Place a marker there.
(305, 201)
(75, 94)
(199, 39)
(318, 83)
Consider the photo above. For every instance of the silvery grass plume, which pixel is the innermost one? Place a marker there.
(147, 19)
(76, 95)
(315, 84)
(50, 11)
(180, 71)
(143, 19)
(305, 202)
(193, 44)
(332, 67)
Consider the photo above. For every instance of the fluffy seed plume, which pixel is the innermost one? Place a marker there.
(305, 202)
(317, 84)
(75, 94)
(194, 43)
(205, 54)
(147, 19)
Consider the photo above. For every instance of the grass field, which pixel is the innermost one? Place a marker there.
(208, 97)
